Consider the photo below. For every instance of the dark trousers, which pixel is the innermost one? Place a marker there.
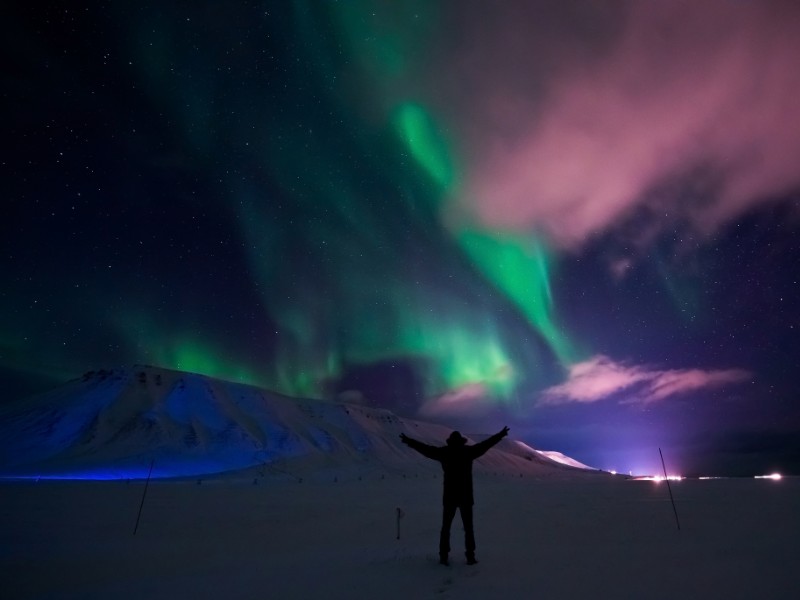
(448, 514)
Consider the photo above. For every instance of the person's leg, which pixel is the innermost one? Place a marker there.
(448, 513)
(469, 532)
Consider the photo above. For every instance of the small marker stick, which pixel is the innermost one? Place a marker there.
(141, 505)
(400, 515)
(671, 499)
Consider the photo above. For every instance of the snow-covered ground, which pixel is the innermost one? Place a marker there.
(280, 497)
(590, 537)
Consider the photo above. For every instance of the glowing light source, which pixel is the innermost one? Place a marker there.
(773, 476)
(658, 478)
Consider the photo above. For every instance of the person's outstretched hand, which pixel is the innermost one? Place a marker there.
(504, 431)
(404, 438)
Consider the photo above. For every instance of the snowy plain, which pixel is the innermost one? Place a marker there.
(334, 535)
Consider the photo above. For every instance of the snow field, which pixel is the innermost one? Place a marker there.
(587, 538)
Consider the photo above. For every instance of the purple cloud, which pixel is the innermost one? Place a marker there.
(470, 398)
(578, 116)
(600, 377)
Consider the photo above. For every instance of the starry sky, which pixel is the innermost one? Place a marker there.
(579, 219)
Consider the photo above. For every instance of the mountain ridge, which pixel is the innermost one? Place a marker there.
(118, 423)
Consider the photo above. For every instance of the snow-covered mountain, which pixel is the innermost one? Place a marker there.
(117, 423)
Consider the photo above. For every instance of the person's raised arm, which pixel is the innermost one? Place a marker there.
(433, 452)
(480, 448)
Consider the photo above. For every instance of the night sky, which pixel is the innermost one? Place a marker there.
(580, 219)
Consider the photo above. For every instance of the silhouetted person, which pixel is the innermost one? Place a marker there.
(456, 458)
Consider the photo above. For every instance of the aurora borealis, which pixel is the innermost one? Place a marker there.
(577, 218)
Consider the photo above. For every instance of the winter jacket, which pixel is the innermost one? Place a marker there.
(456, 460)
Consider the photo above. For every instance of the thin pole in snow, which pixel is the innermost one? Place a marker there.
(400, 515)
(671, 499)
(141, 505)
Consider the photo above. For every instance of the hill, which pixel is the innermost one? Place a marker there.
(113, 424)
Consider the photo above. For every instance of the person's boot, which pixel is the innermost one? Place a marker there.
(471, 560)
(443, 560)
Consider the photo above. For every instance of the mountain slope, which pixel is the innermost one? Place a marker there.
(115, 424)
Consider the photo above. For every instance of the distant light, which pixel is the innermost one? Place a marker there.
(773, 476)
(613, 472)
(658, 478)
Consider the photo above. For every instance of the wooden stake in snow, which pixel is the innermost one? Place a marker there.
(400, 515)
(141, 505)
(671, 499)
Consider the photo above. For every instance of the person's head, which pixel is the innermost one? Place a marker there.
(456, 439)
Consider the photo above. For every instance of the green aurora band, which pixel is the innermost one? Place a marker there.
(399, 320)
(340, 216)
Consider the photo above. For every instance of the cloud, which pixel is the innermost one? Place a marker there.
(470, 398)
(668, 383)
(599, 378)
(580, 117)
